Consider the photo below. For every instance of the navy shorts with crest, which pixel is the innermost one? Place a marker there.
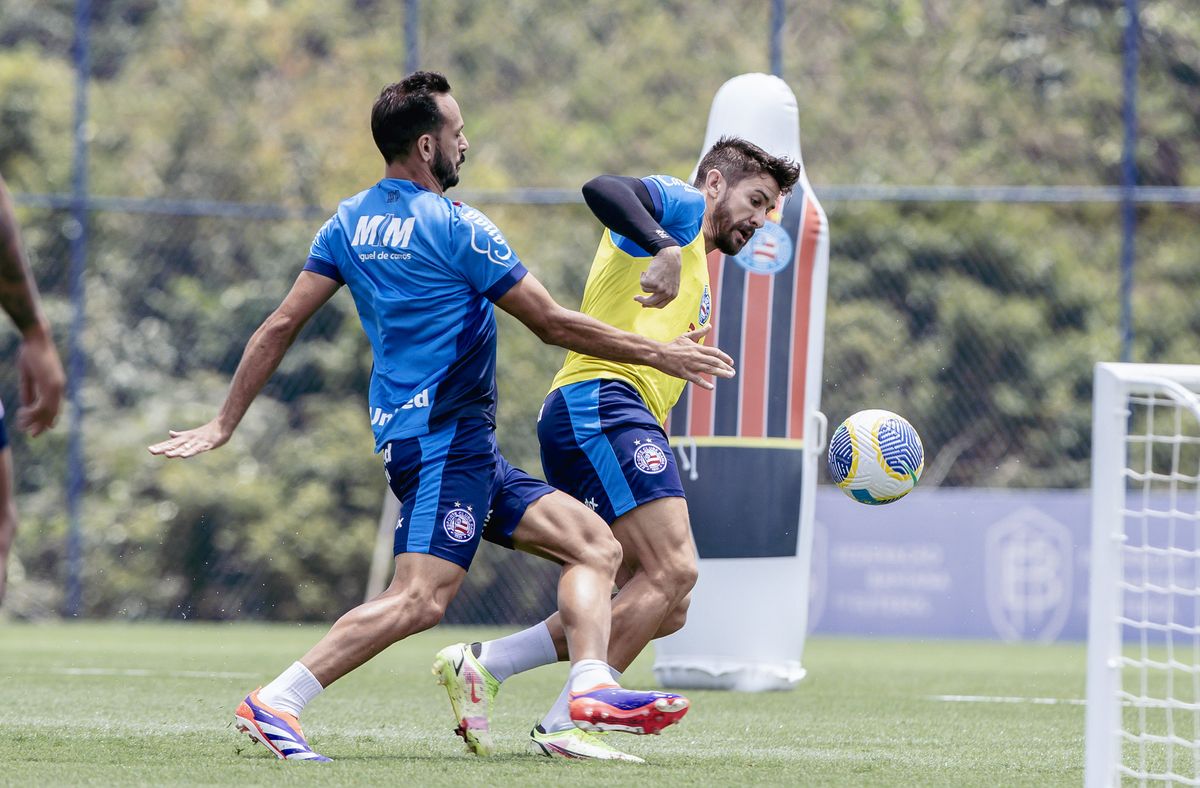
(601, 445)
(455, 488)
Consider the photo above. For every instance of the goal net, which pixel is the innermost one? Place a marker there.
(1143, 683)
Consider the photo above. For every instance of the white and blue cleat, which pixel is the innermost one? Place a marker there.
(278, 731)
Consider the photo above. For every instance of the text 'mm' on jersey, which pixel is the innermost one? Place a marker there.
(614, 280)
(423, 272)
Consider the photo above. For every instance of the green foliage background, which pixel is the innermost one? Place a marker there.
(980, 322)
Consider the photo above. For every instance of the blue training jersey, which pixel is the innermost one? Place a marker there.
(423, 272)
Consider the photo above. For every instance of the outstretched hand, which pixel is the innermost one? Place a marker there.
(661, 278)
(41, 383)
(686, 358)
(189, 443)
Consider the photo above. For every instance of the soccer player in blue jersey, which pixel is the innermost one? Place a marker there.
(601, 425)
(424, 273)
(39, 370)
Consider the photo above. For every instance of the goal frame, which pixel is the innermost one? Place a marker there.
(1114, 383)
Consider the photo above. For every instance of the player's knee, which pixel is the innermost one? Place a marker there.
(686, 578)
(600, 550)
(676, 579)
(675, 618)
(610, 553)
(427, 613)
(668, 590)
(414, 610)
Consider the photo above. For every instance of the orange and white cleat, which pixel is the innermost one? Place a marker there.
(610, 707)
(278, 731)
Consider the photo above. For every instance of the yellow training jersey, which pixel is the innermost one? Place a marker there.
(615, 279)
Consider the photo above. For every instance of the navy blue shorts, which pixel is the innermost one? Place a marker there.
(3, 431)
(455, 488)
(601, 445)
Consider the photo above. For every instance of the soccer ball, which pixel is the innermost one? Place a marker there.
(876, 457)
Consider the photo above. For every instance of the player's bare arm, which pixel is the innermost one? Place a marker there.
(38, 366)
(623, 205)
(263, 353)
(529, 302)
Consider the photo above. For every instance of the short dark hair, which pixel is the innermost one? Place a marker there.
(405, 110)
(737, 159)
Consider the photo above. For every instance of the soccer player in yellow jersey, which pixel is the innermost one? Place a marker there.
(601, 426)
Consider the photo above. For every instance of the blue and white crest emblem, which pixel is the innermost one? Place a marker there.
(459, 525)
(705, 306)
(769, 250)
(1028, 576)
(649, 458)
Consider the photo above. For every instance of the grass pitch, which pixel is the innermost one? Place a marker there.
(112, 704)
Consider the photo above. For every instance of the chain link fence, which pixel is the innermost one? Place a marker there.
(977, 319)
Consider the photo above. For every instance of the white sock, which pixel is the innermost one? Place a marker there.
(292, 691)
(587, 673)
(559, 716)
(518, 652)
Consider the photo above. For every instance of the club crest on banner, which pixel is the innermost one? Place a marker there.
(1028, 576)
(769, 250)
(649, 458)
(459, 525)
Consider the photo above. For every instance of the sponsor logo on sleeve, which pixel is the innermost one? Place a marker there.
(486, 238)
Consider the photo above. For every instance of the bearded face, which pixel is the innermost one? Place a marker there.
(731, 234)
(445, 168)
(449, 143)
(740, 210)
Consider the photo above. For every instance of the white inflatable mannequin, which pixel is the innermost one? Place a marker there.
(748, 618)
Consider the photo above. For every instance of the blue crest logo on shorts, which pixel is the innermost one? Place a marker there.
(705, 306)
(769, 251)
(649, 458)
(459, 525)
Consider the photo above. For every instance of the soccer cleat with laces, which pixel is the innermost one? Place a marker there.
(576, 744)
(472, 692)
(610, 707)
(278, 731)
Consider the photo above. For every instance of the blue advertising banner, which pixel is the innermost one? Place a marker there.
(953, 563)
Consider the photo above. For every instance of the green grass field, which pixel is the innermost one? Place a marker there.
(109, 704)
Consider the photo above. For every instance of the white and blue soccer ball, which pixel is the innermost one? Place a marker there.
(876, 457)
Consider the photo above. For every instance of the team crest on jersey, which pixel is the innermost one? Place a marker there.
(459, 525)
(705, 306)
(649, 458)
(769, 251)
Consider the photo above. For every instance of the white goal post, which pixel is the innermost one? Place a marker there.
(1143, 672)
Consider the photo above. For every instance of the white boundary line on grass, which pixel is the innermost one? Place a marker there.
(142, 673)
(1003, 699)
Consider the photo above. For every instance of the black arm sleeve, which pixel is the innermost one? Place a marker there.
(623, 204)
